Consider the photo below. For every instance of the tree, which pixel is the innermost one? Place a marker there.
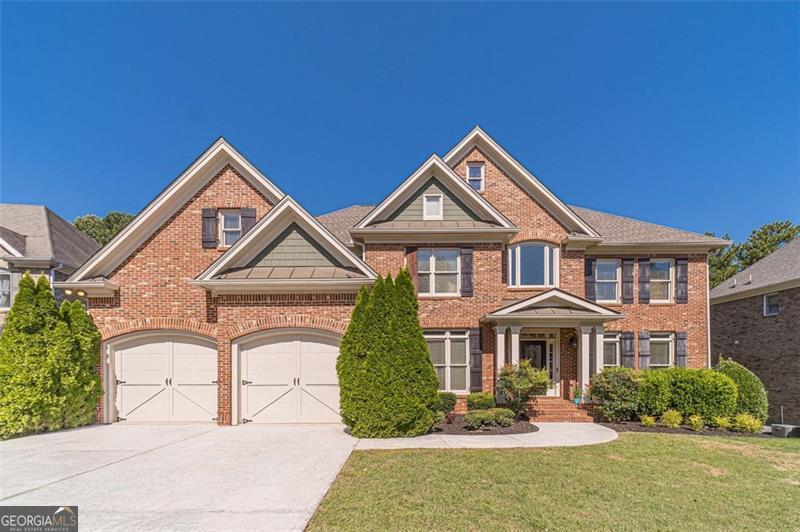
(79, 376)
(350, 366)
(722, 262)
(103, 229)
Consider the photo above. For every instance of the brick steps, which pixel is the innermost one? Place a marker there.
(556, 409)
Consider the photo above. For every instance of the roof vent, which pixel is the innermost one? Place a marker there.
(733, 284)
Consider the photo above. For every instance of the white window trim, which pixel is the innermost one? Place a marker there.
(432, 283)
(10, 289)
(765, 306)
(671, 289)
(516, 257)
(612, 338)
(221, 226)
(482, 177)
(447, 336)
(617, 291)
(663, 338)
(425, 215)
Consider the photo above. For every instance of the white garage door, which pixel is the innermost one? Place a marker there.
(290, 379)
(166, 378)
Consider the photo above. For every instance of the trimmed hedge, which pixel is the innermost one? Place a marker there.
(447, 401)
(752, 397)
(704, 392)
(655, 392)
(480, 401)
(616, 390)
(479, 419)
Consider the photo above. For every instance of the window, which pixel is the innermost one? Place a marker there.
(532, 265)
(772, 307)
(438, 271)
(230, 227)
(449, 352)
(610, 350)
(661, 280)
(607, 281)
(475, 175)
(661, 350)
(432, 207)
(5, 289)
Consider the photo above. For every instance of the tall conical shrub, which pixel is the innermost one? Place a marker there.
(351, 364)
(80, 378)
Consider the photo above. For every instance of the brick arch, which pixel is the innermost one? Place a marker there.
(538, 235)
(286, 321)
(114, 330)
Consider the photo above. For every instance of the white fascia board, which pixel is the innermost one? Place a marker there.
(95, 288)
(610, 248)
(551, 321)
(533, 184)
(276, 220)
(377, 235)
(168, 201)
(462, 190)
(752, 292)
(554, 293)
(8, 247)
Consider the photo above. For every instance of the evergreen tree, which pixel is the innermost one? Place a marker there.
(82, 385)
(351, 364)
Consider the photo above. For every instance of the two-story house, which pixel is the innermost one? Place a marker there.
(224, 299)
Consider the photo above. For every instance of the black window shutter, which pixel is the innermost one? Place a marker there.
(248, 219)
(209, 228)
(626, 343)
(644, 280)
(589, 276)
(644, 349)
(682, 275)
(680, 349)
(411, 264)
(475, 361)
(504, 266)
(627, 280)
(466, 272)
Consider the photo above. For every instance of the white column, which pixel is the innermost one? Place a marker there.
(583, 356)
(515, 345)
(500, 348)
(598, 349)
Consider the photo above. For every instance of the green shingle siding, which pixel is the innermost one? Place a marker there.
(453, 208)
(294, 247)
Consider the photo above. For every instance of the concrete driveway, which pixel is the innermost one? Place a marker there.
(184, 477)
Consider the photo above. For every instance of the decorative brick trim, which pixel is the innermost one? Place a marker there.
(286, 299)
(538, 234)
(284, 321)
(114, 329)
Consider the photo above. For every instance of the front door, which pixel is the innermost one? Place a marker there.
(542, 355)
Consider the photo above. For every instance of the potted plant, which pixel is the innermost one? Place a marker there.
(577, 394)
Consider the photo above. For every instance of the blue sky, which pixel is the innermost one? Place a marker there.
(681, 114)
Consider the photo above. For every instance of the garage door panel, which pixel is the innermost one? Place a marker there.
(194, 403)
(193, 364)
(143, 403)
(319, 404)
(271, 404)
(144, 364)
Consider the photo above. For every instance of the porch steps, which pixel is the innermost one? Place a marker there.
(551, 409)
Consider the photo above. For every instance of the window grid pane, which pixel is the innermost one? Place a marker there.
(606, 291)
(532, 265)
(659, 353)
(659, 290)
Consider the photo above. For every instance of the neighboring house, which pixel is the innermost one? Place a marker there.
(755, 320)
(224, 299)
(34, 239)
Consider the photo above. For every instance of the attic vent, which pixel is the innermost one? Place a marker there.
(733, 284)
(749, 278)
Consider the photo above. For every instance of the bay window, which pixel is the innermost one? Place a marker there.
(449, 354)
(532, 265)
(439, 272)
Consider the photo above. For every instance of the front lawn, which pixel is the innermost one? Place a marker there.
(640, 481)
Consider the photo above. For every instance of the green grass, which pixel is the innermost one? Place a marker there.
(640, 481)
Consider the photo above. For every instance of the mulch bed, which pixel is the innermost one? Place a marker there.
(458, 428)
(634, 426)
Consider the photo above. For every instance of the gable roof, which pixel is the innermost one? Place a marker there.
(777, 271)
(448, 178)
(478, 137)
(554, 304)
(172, 198)
(235, 270)
(35, 233)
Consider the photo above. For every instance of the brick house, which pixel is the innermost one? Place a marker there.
(225, 300)
(755, 320)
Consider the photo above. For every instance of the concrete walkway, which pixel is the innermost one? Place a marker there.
(548, 435)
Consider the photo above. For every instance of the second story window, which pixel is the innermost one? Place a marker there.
(661, 279)
(532, 265)
(772, 307)
(230, 227)
(432, 207)
(475, 175)
(438, 272)
(607, 284)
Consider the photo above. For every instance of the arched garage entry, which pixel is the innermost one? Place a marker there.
(286, 376)
(162, 376)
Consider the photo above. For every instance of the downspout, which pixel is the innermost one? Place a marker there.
(363, 249)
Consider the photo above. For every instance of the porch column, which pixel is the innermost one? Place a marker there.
(500, 348)
(598, 349)
(515, 344)
(584, 343)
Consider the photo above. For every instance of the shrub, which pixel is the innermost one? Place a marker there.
(479, 419)
(616, 390)
(351, 364)
(655, 391)
(671, 419)
(503, 416)
(746, 423)
(720, 422)
(704, 392)
(520, 384)
(648, 421)
(480, 401)
(694, 422)
(447, 402)
(752, 398)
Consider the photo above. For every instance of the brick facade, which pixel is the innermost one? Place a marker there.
(766, 345)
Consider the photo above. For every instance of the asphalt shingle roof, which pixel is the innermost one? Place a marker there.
(780, 266)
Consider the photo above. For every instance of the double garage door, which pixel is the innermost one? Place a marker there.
(284, 377)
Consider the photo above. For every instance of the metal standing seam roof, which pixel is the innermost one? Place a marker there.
(274, 273)
(780, 266)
